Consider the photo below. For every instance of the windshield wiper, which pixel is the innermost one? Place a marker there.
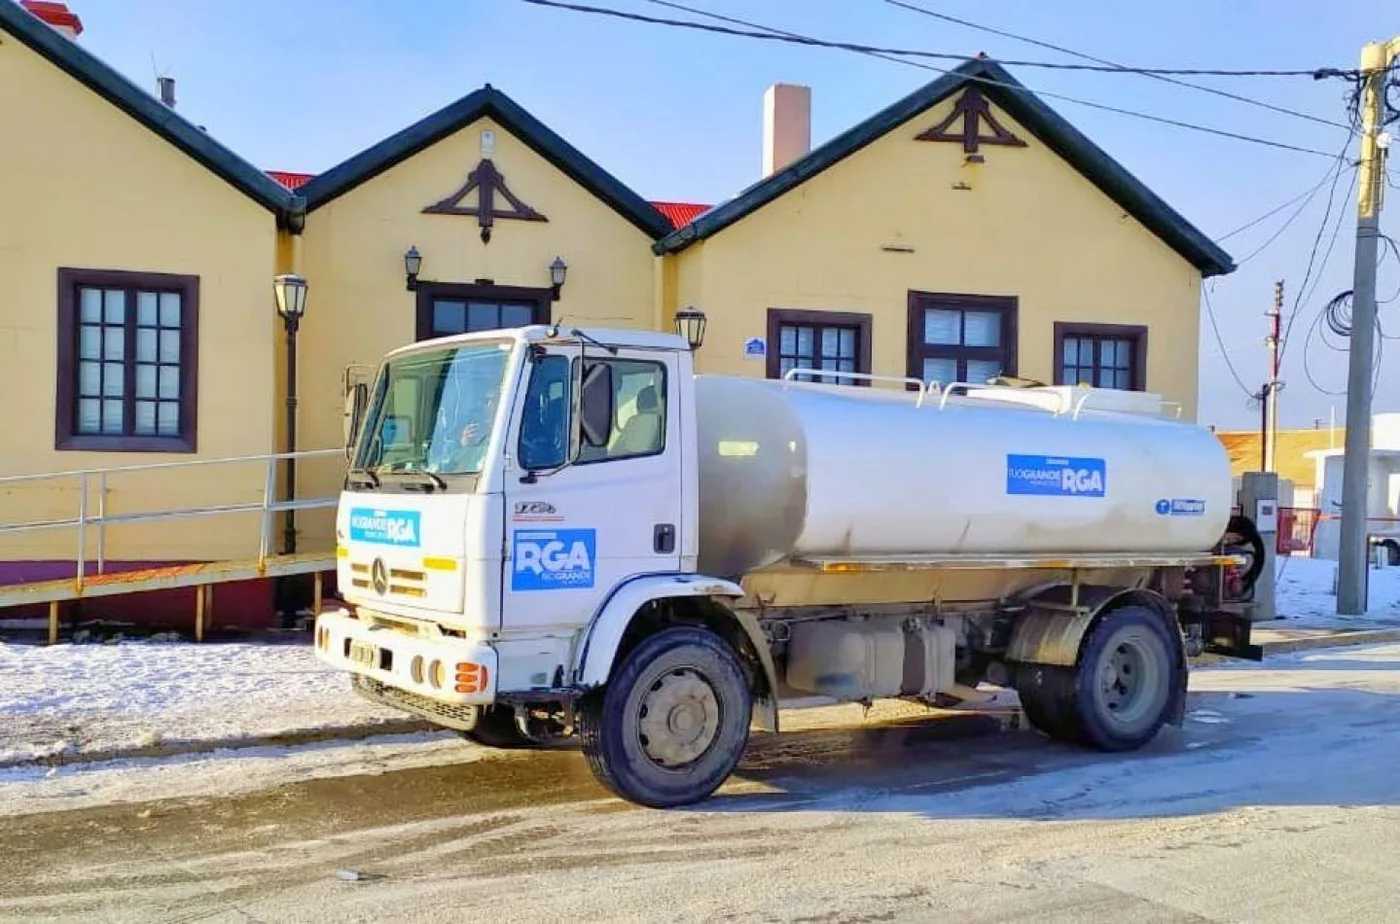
(428, 479)
(362, 477)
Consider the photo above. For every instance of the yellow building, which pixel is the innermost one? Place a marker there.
(963, 232)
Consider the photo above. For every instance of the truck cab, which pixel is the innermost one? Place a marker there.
(501, 487)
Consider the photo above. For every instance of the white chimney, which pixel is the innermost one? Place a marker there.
(787, 125)
(166, 87)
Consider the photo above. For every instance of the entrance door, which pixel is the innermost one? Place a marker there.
(573, 534)
(445, 309)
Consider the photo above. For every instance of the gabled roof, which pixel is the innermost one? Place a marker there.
(492, 103)
(1013, 98)
(103, 80)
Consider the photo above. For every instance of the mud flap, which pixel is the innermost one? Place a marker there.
(1228, 634)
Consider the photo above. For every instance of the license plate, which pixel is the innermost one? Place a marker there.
(364, 653)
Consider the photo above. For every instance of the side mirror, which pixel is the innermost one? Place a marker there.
(355, 400)
(597, 404)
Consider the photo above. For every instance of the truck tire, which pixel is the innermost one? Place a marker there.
(1118, 695)
(672, 722)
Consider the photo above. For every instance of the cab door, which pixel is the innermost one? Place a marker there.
(593, 483)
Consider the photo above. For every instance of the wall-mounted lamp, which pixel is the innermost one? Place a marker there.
(690, 324)
(558, 270)
(412, 263)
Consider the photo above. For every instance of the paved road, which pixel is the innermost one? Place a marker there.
(1277, 802)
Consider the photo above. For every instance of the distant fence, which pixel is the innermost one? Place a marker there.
(1296, 527)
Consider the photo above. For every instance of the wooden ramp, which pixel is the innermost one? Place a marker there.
(202, 576)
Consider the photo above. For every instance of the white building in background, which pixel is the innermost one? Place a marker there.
(1383, 494)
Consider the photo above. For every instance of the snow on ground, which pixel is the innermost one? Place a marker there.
(64, 699)
(1306, 599)
(75, 698)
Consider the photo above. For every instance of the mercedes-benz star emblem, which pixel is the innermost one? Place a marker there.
(379, 577)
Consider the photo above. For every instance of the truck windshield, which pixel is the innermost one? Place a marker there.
(434, 411)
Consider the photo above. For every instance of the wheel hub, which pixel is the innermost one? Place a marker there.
(1124, 680)
(678, 718)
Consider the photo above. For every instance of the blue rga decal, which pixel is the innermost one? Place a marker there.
(385, 527)
(1181, 507)
(553, 559)
(1057, 476)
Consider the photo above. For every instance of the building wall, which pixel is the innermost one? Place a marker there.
(353, 248)
(1028, 226)
(86, 186)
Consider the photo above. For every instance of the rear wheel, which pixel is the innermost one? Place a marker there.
(1119, 693)
(673, 721)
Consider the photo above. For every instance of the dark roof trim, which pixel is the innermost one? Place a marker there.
(483, 103)
(1023, 106)
(99, 77)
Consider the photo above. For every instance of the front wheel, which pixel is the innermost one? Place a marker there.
(672, 723)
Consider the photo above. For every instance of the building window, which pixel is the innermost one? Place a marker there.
(127, 361)
(961, 338)
(1102, 355)
(445, 309)
(829, 340)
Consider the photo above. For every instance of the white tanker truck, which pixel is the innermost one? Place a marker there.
(549, 533)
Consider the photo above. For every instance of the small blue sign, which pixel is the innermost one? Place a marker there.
(755, 348)
(553, 559)
(1180, 507)
(1056, 476)
(386, 527)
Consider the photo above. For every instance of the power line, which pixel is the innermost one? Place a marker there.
(1307, 193)
(1210, 313)
(1311, 72)
(1155, 75)
(1303, 292)
(795, 38)
(1294, 217)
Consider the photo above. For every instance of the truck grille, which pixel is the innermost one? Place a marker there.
(402, 581)
(460, 718)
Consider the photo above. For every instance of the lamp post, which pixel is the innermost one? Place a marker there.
(690, 324)
(290, 290)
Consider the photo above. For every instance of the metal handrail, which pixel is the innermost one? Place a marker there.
(268, 506)
(187, 463)
(789, 376)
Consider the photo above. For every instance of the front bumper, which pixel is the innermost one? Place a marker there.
(448, 670)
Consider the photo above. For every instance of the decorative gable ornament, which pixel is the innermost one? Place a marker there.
(975, 112)
(486, 181)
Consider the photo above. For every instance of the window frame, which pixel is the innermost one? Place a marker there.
(67, 438)
(1136, 333)
(799, 317)
(428, 292)
(1008, 306)
(663, 401)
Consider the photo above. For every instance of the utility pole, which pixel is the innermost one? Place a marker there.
(1271, 390)
(1351, 571)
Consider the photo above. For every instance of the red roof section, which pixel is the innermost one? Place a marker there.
(678, 214)
(291, 180)
(55, 14)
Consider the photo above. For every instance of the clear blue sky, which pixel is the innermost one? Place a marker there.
(677, 115)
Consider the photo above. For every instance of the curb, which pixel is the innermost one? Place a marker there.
(391, 727)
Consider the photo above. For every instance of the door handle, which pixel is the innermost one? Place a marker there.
(664, 539)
